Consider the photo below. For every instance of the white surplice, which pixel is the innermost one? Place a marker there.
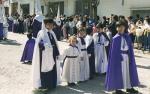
(84, 62)
(71, 67)
(47, 57)
(125, 65)
(101, 62)
(88, 40)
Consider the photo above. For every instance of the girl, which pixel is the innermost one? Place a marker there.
(71, 66)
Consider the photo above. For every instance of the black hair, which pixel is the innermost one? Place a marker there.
(29, 35)
(89, 30)
(83, 24)
(137, 16)
(48, 20)
(115, 18)
(104, 17)
(120, 23)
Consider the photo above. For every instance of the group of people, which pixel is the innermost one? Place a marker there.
(140, 32)
(94, 48)
(138, 27)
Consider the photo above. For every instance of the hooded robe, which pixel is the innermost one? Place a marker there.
(37, 25)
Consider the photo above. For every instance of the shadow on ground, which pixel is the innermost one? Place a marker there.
(10, 42)
(144, 67)
(95, 86)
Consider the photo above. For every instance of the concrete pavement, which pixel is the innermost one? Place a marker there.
(15, 78)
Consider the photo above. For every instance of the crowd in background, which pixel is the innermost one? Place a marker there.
(137, 27)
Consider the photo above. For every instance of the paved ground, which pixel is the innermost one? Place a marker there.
(15, 77)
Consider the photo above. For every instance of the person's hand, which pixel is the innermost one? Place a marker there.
(41, 46)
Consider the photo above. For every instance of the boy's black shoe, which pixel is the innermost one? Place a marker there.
(104, 74)
(132, 90)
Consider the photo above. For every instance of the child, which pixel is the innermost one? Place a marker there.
(44, 58)
(122, 72)
(84, 61)
(100, 42)
(28, 50)
(90, 50)
(71, 66)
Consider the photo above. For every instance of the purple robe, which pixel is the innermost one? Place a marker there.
(10, 22)
(114, 79)
(36, 27)
(1, 31)
(28, 51)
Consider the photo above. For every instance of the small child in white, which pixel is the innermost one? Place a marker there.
(84, 60)
(71, 66)
(100, 42)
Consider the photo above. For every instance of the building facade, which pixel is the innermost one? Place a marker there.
(124, 7)
(82, 7)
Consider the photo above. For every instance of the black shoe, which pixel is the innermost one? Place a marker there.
(91, 78)
(132, 90)
(104, 74)
(5, 39)
(119, 92)
(71, 84)
(81, 81)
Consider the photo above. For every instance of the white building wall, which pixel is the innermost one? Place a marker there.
(69, 6)
(108, 7)
(30, 2)
(105, 8)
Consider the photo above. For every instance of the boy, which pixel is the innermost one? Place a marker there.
(90, 50)
(122, 72)
(44, 58)
(84, 60)
(100, 42)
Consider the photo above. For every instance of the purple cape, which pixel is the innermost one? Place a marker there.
(36, 27)
(1, 30)
(28, 51)
(114, 78)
